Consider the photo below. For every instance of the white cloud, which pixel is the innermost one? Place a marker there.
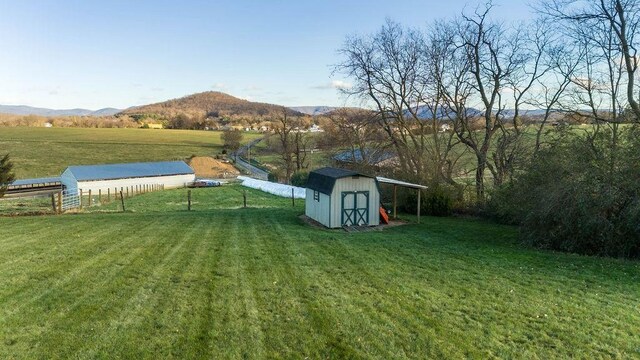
(334, 84)
(220, 87)
(252, 88)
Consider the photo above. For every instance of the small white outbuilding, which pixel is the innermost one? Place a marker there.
(169, 174)
(338, 197)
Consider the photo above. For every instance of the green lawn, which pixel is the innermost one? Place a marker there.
(38, 152)
(227, 282)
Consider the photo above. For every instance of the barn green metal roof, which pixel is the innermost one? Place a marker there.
(129, 170)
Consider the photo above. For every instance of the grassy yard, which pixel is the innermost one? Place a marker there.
(227, 282)
(38, 152)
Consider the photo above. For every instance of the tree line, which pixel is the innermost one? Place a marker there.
(480, 76)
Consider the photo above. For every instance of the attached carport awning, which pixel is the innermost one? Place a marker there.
(396, 183)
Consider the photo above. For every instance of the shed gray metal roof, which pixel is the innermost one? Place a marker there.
(129, 170)
(324, 179)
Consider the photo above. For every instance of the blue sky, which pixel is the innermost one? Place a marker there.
(91, 54)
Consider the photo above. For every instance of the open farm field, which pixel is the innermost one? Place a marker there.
(226, 282)
(40, 152)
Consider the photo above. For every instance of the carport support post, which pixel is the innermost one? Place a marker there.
(395, 201)
(419, 205)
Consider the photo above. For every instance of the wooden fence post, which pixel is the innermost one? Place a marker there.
(100, 196)
(53, 203)
(244, 197)
(127, 191)
(80, 198)
(122, 201)
(293, 199)
(60, 202)
(189, 200)
(108, 194)
(89, 198)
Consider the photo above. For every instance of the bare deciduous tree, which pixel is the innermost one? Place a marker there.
(293, 142)
(391, 71)
(606, 31)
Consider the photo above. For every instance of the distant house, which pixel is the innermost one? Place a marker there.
(315, 128)
(338, 197)
(113, 177)
(155, 125)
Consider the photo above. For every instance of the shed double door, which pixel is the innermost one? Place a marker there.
(355, 208)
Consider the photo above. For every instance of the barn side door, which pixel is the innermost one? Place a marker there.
(355, 208)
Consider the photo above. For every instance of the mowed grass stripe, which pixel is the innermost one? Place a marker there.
(154, 277)
(74, 294)
(259, 283)
(54, 261)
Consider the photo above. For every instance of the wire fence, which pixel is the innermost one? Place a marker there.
(70, 200)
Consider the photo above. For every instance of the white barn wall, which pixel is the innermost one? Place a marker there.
(172, 181)
(355, 184)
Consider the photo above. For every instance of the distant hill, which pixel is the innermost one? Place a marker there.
(29, 110)
(210, 104)
(313, 110)
(424, 112)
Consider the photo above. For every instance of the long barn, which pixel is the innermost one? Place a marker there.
(169, 174)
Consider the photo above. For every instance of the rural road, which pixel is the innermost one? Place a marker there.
(254, 171)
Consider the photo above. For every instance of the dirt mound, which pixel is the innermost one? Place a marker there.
(208, 167)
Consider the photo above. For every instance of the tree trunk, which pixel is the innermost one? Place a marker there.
(482, 165)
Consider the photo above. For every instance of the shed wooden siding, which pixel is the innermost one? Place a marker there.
(354, 184)
(318, 210)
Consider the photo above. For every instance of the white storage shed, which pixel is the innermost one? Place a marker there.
(170, 174)
(339, 197)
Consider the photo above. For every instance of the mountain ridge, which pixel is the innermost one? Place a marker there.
(212, 104)
(39, 111)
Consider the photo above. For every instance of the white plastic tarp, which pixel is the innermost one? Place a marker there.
(273, 188)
